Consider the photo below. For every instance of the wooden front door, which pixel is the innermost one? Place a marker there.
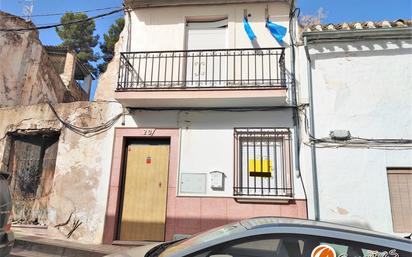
(143, 212)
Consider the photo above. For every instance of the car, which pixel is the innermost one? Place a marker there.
(6, 235)
(280, 237)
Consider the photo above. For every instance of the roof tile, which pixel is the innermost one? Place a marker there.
(360, 25)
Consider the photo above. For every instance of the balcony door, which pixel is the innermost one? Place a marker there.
(206, 68)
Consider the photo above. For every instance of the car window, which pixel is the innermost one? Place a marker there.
(262, 246)
(226, 230)
(297, 246)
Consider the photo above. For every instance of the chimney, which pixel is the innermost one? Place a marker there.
(69, 68)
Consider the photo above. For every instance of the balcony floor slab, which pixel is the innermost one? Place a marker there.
(203, 98)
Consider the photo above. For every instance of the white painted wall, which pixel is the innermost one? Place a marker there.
(364, 87)
(156, 29)
(206, 139)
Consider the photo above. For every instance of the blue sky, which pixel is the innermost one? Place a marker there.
(337, 11)
(358, 10)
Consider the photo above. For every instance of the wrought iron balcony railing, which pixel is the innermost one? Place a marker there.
(201, 69)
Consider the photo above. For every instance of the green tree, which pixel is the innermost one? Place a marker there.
(110, 39)
(79, 37)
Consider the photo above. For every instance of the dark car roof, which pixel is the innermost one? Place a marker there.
(276, 225)
(273, 222)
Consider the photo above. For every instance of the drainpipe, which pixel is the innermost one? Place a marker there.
(296, 138)
(312, 134)
(129, 28)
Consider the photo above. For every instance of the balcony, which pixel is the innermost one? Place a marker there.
(203, 78)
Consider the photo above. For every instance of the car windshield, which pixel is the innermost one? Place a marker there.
(207, 236)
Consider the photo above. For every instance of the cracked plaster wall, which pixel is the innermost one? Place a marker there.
(82, 170)
(26, 74)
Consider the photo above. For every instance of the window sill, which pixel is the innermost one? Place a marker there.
(256, 199)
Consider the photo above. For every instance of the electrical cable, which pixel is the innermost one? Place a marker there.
(215, 109)
(75, 12)
(87, 131)
(295, 14)
(359, 142)
(59, 14)
(304, 193)
(63, 24)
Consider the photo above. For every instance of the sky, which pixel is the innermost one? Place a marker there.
(336, 11)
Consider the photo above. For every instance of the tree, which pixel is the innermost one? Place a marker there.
(79, 37)
(110, 40)
(309, 20)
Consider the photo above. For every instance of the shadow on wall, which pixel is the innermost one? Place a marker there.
(190, 216)
(361, 49)
(174, 228)
(212, 120)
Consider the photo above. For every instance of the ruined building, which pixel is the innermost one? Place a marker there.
(44, 92)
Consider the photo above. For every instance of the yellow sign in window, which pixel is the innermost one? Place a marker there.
(260, 168)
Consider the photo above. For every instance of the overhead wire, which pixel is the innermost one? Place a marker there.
(59, 14)
(63, 24)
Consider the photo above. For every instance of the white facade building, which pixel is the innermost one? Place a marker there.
(361, 82)
(208, 138)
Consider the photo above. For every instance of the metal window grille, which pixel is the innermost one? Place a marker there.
(263, 162)
(194, 69)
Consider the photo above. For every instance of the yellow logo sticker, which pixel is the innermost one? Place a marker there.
(323, 251)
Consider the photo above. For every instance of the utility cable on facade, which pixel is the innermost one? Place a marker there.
(355, 142)
(87, 131)
(358, 142)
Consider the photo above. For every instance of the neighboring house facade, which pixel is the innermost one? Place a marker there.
(31, 73)
(360, 78)
(208, 138)
(75, 76)
(53, 172)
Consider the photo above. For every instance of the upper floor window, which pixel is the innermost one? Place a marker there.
(205, 66)
(206, 34)
(263, 162)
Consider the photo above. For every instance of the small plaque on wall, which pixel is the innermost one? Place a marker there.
(193, 183)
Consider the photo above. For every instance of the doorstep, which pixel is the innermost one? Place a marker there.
(27, 245)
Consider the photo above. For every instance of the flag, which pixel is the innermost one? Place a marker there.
(276, 30)
(248, 29)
